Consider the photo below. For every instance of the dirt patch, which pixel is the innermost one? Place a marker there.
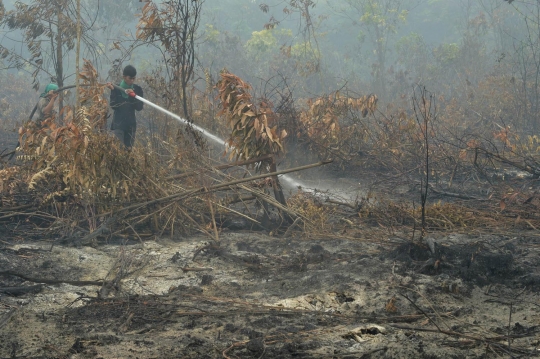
(256, 296)
(486, 260)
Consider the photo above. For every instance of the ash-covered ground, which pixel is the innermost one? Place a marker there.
(253, 295)
(257, 296)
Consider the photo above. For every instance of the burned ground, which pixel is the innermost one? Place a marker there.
(358, 286)
(256, 296)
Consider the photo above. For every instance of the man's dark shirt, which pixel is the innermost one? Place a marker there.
(124, 109)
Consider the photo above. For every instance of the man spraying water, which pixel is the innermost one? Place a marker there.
(124, 105)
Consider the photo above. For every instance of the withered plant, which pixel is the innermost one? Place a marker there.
(425, 111)
(254, 132)
(77, 171)
(313, 210)
(333, 124)
(76, 158)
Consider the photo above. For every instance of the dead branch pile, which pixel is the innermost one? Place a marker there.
(76, 180)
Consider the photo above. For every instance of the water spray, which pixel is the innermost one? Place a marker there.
(178, 118)
(290, 181)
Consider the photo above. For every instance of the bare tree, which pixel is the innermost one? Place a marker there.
(174, 24)
(425, 111)
(49, 30)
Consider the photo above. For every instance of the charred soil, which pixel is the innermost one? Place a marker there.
(253, 295)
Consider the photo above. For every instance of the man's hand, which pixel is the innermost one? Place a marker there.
(109, 85)
(51, 95)
(128, 91)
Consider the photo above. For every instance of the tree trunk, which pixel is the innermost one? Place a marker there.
(184, 78)
(77, 69)
(381, 58)
(59, 59)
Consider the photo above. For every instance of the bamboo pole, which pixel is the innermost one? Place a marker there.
(194, 192)
(243, 180)
(221, 167)
(187, 194)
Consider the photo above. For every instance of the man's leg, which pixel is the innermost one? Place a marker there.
(120, 134)
(130, 136)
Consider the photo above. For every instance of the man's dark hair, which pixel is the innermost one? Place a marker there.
(129, 71)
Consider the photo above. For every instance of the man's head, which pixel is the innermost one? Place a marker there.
(50, 87)
(129, 74)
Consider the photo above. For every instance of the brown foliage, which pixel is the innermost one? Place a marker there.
(76, 157)
(332, 124)
(76, 167)
(252, 132)
(311, 208)
(92, 99)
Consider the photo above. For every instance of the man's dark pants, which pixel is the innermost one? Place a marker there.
(127, 136)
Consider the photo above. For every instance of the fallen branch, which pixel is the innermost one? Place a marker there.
(519, 166)
(22, 290)
(472, 337)
(291, 227)
(237, 199)
(183, 195)
(2, 154)
(244, 180)
(29, 214)
(196, 269)
(455, 195)
(80, 283)
(362, 354)
(17, 208)
(354, 208)
(271, 201)
(222, 167)
(238, 213)
(421, 310)
(103, 229)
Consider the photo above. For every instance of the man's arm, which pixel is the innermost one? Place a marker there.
(47, 110)
(114, 101)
